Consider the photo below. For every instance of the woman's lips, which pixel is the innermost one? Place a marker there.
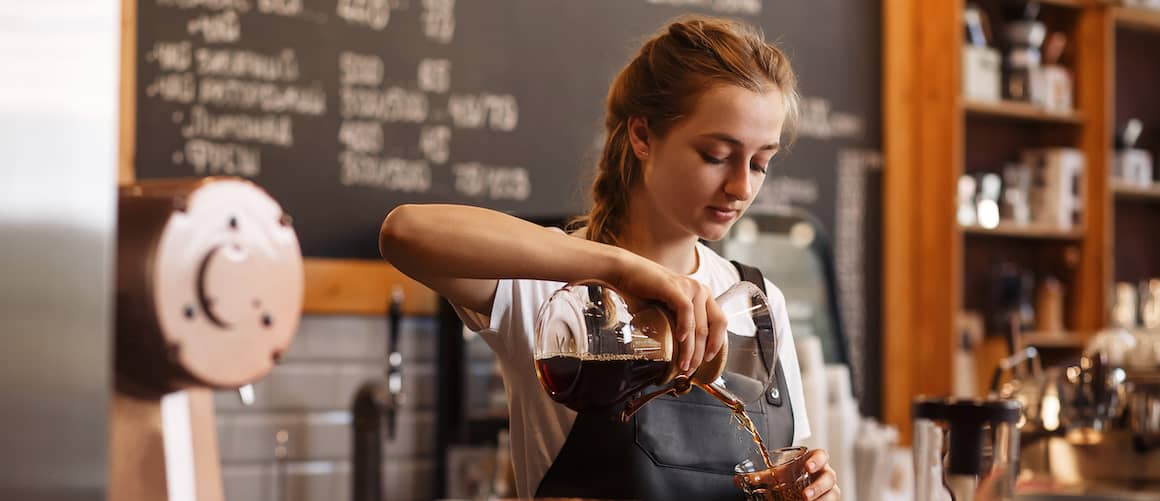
(722, 215)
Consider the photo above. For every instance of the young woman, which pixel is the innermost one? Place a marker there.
(693, 122)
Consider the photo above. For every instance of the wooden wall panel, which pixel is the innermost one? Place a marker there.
(899, 151)
(922, 138)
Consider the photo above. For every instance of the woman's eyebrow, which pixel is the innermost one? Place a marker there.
(721, 136)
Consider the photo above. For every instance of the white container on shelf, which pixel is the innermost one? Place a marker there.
(1134, 167)
(1147, 4)
(982, 73)
(1056, 187)
(1057, 94)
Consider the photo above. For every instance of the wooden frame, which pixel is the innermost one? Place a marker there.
(1094, 74)
(127, 147)
(332, 286)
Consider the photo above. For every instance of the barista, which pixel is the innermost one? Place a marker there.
(693, 123)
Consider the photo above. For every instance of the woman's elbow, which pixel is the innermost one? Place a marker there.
(395, 229)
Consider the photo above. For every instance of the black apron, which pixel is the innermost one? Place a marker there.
(677, 447)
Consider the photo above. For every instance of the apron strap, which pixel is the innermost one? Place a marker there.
(766, 333)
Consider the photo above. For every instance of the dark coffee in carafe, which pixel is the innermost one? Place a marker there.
(596, 382)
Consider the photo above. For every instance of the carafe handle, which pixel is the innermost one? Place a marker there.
(679, 386)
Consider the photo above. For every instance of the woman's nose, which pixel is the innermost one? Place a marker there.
(739, 185)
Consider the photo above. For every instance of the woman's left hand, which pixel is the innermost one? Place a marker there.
(824, 485)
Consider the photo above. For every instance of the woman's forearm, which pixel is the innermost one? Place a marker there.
(456, 241)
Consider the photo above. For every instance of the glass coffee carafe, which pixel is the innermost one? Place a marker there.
(594, 349)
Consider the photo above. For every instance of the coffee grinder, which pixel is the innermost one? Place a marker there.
(209, 295)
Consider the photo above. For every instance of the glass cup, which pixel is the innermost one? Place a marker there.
(786, 481)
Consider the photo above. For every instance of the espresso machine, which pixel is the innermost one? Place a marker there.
(1091, 426)
(209, 296)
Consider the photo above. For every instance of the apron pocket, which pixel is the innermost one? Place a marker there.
(697, 432)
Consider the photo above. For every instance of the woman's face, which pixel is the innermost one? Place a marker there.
(703, 174)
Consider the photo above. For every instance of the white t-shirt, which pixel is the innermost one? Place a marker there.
(539, 425)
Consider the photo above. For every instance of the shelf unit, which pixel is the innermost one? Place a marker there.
(934, 269)
(1074, 4)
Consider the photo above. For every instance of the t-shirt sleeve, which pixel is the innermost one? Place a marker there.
(477, 322)
(510, 327)
(787, 356)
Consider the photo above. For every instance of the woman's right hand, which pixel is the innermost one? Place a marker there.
(700, 322)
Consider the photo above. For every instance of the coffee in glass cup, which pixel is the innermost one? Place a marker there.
(786, 481)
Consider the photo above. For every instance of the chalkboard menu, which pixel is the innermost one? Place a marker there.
(343, 109)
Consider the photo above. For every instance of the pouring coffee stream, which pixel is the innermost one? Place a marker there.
(742, 419)
(592, 352)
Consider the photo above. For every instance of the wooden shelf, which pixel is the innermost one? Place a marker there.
(1021, 111)
(1073, 4)
(1052, 340)
(1130, 192)
(1136, 17)
(1027, 231)
(361, 287)
(1043, 339)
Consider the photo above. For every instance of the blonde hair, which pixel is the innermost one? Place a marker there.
(661, 84)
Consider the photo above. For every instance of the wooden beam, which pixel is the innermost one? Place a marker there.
(360, 287)
(923, 152)
(899, 151)
(938, 282)
(1095, 75)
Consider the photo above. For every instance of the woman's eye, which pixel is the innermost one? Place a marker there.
(712, 159)
(760, 168)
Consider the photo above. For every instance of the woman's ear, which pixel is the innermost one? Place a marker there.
(638, 137)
